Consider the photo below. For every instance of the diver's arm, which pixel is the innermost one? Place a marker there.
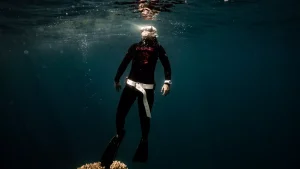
(128, 57)
(166, 64)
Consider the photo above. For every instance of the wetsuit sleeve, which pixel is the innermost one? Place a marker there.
(128, 57)
(165, 62)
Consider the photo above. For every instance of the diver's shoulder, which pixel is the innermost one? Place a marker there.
(160, 46)
(133, 46)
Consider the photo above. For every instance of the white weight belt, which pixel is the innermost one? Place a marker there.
(141, 87)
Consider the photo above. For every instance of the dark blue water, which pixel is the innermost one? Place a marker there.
(233, 103)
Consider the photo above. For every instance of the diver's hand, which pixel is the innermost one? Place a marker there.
(165, 89)
(118, 86)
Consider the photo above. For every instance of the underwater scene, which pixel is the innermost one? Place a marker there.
(149, 84)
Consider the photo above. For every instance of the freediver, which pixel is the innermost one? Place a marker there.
(140, 84)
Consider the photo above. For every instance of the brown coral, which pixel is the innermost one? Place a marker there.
(97, 165)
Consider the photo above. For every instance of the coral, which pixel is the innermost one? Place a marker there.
(97, 165)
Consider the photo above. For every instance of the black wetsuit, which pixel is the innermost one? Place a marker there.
(144, 56)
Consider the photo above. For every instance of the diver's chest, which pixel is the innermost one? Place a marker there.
(146, 53)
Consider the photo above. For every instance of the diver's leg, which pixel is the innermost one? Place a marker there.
(141, 154)
(144, 120)
(128, 97)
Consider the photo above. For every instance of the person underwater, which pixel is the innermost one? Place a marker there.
(140, 85)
